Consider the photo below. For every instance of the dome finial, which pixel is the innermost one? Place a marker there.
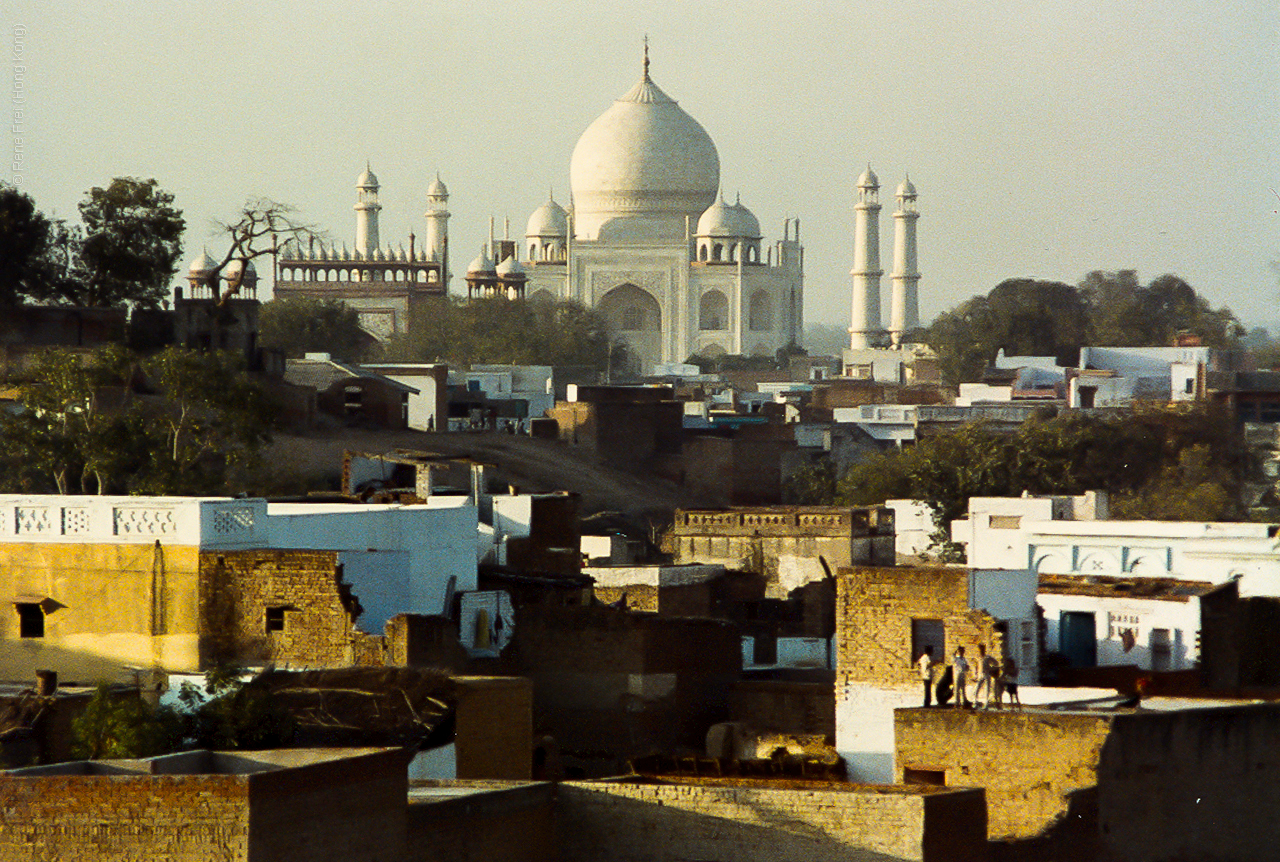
(646, 56)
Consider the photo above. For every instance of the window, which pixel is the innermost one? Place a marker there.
(926, 633)
(275, 618)
(30, 619)
(1006, 522)
(764, 648)
(1161, 650)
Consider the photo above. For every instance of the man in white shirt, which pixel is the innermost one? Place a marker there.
(926, 665)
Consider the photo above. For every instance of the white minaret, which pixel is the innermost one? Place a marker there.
(866, 272)
(367, 208)
(437, 239)
(904, 308)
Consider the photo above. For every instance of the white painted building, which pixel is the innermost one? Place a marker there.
(398, 559)
(1119, 592)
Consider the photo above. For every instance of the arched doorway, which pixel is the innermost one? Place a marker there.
(636, 319)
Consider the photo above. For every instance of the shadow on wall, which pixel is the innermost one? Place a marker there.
(780, 825)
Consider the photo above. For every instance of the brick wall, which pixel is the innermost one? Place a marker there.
(1191, 784)
(507, 823)
(874, 610)
(1036, 767)
(743, 821)
(494, 728)
(610, 684)
(785, 707)
(237, 588)
(181, 818)
(348, 810)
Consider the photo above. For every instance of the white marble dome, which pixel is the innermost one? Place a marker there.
(549, 220)
(203, 264)
(367, 179)
(643, 157)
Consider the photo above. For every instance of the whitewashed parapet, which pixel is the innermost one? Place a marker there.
(198, 521)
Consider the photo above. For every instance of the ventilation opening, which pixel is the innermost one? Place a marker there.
(925, 777)
(275, 617)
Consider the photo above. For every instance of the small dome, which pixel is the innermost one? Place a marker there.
(481, 265)
(510, 267)
(203, 264)
(735, 220)
(906, 189)
(367, 179)
(232, 272)
(868, 180)
(550, 219)
(437, 189)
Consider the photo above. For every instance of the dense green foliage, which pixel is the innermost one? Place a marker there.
(25, 241)
(132, 239)
(503, 331)
(177, 422)
(125, 252)
(1159, 463)
(297, 327)
(1029, 317)
(227, 715)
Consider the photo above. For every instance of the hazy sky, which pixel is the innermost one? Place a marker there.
(1045, 139)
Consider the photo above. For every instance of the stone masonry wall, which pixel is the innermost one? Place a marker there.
(874, 610)
(125, 818)
(505, 824)
(1036, 767)
(237, 588)
(348, 810)
(739, 821)
(1192, 784)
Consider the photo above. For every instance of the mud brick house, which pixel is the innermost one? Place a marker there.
(98, 586)
(302, 805)
(1167, 780)
(885, 616)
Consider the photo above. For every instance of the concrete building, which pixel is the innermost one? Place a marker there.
(1119, 592)
(384, 284)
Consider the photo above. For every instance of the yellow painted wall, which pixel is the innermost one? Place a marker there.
(117, 606)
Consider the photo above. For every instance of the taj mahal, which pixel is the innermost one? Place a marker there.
(648, 239)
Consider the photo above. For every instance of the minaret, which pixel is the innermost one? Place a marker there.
(367, 208)
(904, 308)
(437, 239)
(866, 272)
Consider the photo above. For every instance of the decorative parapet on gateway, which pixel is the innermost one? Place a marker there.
(786, 520)
(207, 522)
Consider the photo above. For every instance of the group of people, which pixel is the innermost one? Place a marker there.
(995, 678)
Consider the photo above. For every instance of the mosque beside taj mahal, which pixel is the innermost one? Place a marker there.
(648, 240)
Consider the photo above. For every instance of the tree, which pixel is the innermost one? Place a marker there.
(1024, 316)
(132, 239)
(82, 429)
(211, 424)
(66, 433)
(264, 227)
(115, 726)
(520, 332)
(300, 326)
(1124, 313)
(24, 243)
